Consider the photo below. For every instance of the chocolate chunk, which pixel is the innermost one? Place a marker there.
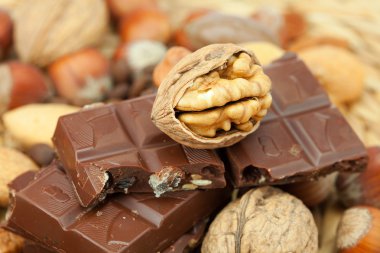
(185, 244)
(117, 148)
(47, 211)
(303, 136)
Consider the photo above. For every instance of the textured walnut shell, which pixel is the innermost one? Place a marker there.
(175, 85)
(265, 219)
(46, 30)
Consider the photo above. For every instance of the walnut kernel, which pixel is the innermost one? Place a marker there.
(213, 97)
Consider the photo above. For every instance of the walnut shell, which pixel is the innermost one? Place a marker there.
(265, 219)
(46, 30)
(191, 119)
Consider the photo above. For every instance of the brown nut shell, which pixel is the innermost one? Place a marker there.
(180, 79)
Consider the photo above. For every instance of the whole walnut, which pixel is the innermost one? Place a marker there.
(46, 30)
(265, 219)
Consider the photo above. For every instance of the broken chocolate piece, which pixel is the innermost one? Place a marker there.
(117, 148)
(185, 244)
(136, 222)
(302, 137)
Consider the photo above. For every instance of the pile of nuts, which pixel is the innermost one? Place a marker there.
(57, 56)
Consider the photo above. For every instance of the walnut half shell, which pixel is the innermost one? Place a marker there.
(213, 97)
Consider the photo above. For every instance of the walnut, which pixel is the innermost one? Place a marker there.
(46, 30)
(213, 97)
(265, 219)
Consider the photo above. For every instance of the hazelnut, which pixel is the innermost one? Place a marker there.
(122, 8)
(140, 55)
(6, 28)
(172, 57)
(82, 77)
(145, 24)
(46, 30)
(359, 230)
(213, 97)
(362, 188)
(21, 84)
(314, 192)
(263, 220)
(138, 58)
(144, 54)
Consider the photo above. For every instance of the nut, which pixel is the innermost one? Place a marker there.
(165, 180)
(10, 243)
(145, 24)
(189, 187)
(6, 29)
(362, 188)
(359, 230)
(172, 57)
(121, 8)
(46, 30)
(82, 77)
(210, 28)
(144, 54)
(201, 182)
(34, 123)
(314, 192)
(12, 164)
(213, 97)
(265, 51)
(140, 57)
(181, 37)
(308, 41)
(21, 84)
(342, 78)
(263, 220)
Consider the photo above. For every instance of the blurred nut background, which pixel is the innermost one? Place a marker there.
(82, 77)
(21, 84)
(46, 30)
(6, 28)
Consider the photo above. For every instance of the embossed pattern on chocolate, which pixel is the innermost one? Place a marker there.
(136, 222)
(303, 135)
(117, 148)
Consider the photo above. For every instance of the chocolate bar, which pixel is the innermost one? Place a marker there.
(185, 244)
(117, 148)
(303, 136)
(47, 211)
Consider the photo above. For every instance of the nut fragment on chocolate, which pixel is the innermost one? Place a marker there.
(213, 97)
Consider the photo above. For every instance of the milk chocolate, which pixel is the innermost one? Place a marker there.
(187, 243)
(46, 211)
(303, 136)
(117, 148)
